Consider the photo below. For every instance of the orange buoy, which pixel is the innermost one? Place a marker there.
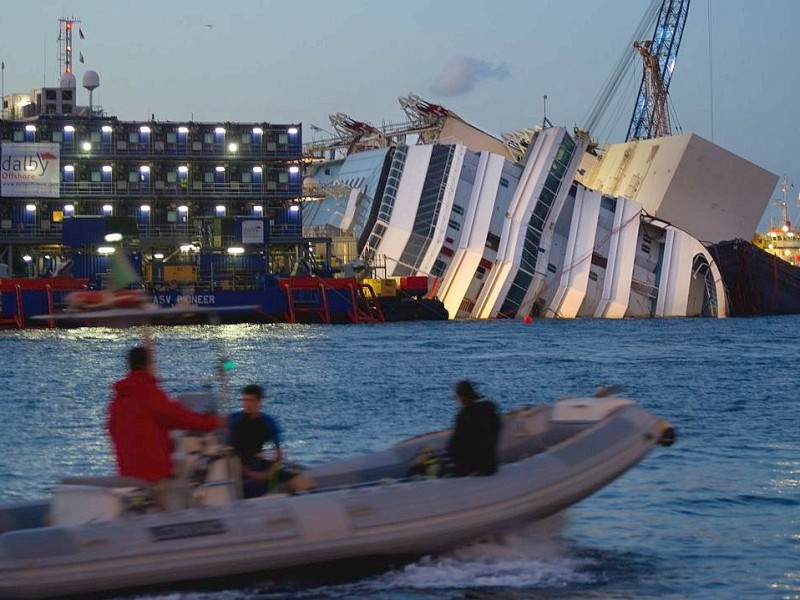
(527, 320)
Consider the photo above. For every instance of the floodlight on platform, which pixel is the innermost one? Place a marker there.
(113, 237)
(235, 250)
(106, 250)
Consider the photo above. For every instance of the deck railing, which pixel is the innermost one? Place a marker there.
(157, 149)
(174, 189)
(197, 230)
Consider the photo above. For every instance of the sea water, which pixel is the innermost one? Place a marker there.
(717, 515)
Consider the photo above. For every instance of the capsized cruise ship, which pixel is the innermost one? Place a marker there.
(537, 223)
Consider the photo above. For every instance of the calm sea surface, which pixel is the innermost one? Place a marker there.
(715, 516)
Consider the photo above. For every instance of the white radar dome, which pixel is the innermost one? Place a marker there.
(67, 81)
(91, 80)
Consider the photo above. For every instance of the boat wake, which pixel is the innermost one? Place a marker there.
(534, 556)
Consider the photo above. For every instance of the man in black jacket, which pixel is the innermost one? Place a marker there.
(472, 448)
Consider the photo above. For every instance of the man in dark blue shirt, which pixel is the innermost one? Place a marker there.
(250, 429)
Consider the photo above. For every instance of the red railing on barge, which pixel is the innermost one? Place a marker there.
(362, 298)
(46, 286)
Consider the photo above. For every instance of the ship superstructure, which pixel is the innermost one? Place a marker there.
(782, 239)
(553, 229)
(193, 201)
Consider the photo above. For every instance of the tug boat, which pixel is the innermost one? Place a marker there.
(103, 534)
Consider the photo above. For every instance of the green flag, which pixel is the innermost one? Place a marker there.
(121, 275)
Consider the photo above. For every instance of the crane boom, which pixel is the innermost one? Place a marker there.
(650, 118)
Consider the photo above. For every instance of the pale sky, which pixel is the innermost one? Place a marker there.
(491, 62)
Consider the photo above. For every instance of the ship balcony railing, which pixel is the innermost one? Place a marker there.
(224, 278)
(170, 189)
(28, 232)
(190, 150)
(326, 231)
(197, 231)
(286, 232)
(184, 232)
(645, 288)
(200, 232)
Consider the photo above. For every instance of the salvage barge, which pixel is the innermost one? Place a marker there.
(27, 302)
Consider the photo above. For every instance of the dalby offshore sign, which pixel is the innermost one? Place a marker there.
(30, 170)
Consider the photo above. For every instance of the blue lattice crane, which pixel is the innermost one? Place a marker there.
(650, 115)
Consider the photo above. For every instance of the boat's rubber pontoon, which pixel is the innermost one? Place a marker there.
(101, 534)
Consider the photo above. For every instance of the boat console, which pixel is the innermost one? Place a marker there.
(205, 474)
(204, 466)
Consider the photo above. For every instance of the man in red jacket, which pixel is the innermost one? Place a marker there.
(140, 417)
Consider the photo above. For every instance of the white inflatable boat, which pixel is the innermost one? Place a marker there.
(103, 534)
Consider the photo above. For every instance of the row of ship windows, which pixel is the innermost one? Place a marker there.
(452, 223)
(171, 137)
(172, 177)
(135, 177)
